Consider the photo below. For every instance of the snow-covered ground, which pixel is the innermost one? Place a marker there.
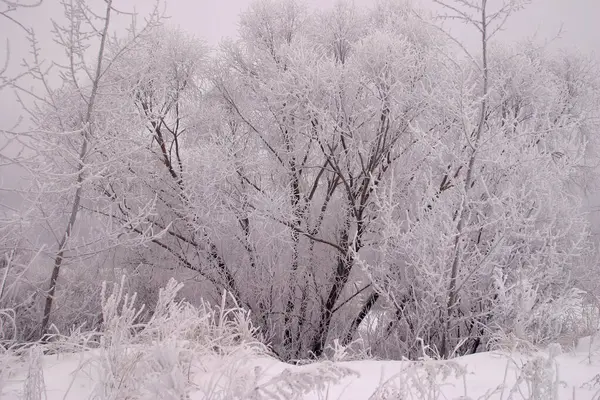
(186, 352)
(243, 374)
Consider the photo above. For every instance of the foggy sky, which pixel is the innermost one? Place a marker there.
(212, 20)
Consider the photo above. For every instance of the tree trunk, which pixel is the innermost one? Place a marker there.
(364, 311)
(342, 273)
(58, 260)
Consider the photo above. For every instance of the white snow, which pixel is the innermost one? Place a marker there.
(242, 374)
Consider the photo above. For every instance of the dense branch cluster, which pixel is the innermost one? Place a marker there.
(327, 169)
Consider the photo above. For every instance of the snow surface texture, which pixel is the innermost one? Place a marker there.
(184, 352)
(242, 375)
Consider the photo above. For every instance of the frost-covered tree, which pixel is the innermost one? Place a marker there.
(330, 112)
(329, 167)
(488, 238)
(8, 14)
(69, 133)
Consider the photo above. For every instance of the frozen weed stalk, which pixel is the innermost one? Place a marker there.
(34, 388)
(537, 379)
(145, 358)
(423, 380)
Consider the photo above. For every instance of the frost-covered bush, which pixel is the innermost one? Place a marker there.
(322, 168)
(154, 357)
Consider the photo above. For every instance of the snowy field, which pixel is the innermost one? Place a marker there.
(241, 375)
(197, 353)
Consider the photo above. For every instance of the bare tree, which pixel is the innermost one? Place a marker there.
(331, 143)
(495, 209)
(7, 13)
(80, 129)
(328, 168)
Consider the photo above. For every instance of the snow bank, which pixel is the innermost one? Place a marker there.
(244, 375)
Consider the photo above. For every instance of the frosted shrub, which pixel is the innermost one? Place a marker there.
(423, 380)
(34, 382)
(237, 380)
(295, 385)
(154, 359)
(538, 378)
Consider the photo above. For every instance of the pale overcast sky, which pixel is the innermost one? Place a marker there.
(212, 20)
